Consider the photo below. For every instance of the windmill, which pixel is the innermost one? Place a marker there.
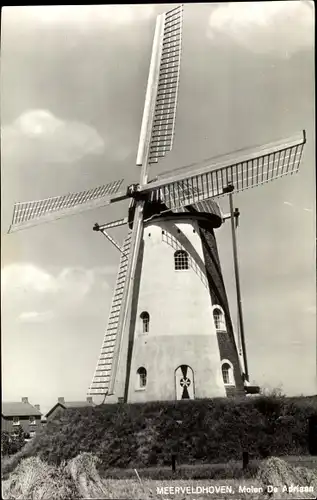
(170, 334)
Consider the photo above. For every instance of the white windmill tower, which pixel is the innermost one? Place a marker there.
(169, 333)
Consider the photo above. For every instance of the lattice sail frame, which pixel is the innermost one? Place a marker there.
(167, 91)
(253, 168)
(30, 213)
(101, 378)
(158, 123)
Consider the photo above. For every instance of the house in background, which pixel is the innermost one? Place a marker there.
(62, 405)
(21, 413)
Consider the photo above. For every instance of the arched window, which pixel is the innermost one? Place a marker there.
(227, 372)
(181, 260)
(145, 317)
(142, 377)
(219, 319)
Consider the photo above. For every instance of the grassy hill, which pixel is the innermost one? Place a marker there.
(199, 431)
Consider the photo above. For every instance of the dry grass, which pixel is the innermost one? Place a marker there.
(283, 475)
(85, 477)
(35, 479)
(79, 478)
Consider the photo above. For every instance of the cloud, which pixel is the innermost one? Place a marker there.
(79, 278)
(281, 28)
(292, 205)
(38, 131)
(83, 16)
(20, 278)
(35, 316)
(41, 295)
(27, 278)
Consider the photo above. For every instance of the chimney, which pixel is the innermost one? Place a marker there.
(37, 407)
(25, 400)
(89, 399)
(61, 400)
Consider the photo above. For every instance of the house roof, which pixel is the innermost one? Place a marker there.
(70, 404)
(19, 410)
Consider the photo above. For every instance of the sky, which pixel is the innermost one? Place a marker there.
(73, 83)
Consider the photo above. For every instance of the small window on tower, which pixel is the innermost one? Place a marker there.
(145, 317)
(219, 319)
(181, 260)
(142, 377)
(227, 373)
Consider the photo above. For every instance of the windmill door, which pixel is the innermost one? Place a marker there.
(184, 381)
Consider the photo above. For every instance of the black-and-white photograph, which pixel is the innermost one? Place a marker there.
(158, 272)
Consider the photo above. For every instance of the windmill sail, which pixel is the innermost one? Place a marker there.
(156, 139)
(158, 124)
(31, 213)
(101, 378)
(166, 101)
(249, 169)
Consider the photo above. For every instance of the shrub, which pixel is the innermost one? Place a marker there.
(12, 443)
(199, 431)
(6, 441)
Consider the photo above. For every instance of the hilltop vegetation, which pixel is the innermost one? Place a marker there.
(200, 431)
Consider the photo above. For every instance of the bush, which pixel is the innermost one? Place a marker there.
(199, 431)
(12, 443)
(5, 443)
